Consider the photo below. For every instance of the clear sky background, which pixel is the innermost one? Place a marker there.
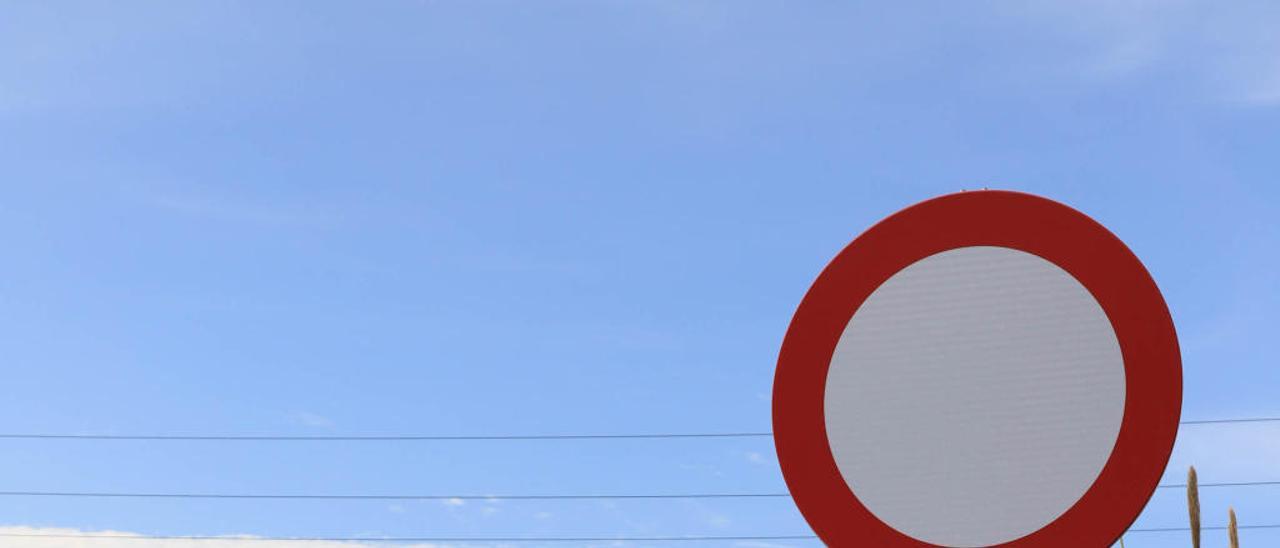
(323, 218)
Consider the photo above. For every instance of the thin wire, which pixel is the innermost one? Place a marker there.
(386, 438)
(422, 539)
(471, 438)
(586, 496)
(1207, 528)
(527, 437)
(527, 539)
(387, 497)
(1221, 484)
(1230, 421)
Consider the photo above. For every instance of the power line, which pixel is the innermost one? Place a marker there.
(74, 494)
(713, 538)
(1206, 528)
(571, 496)
(1221, 484)
(495, 437)
(1229, 421)
(725, 538)
(383, 438)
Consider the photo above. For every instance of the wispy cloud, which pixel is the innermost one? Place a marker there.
(307, 418)
(209, 204)
(1233, 453)
(1231, 49)
(51, 537)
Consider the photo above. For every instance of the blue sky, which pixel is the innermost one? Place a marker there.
(511, 217)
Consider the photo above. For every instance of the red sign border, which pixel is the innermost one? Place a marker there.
(1048, 229)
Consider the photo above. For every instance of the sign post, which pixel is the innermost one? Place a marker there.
(986, 368)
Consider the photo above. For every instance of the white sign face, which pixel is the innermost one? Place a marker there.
(975, 396)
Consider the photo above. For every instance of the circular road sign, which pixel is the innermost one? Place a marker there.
(985, 368)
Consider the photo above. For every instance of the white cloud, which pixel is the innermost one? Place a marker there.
(1241, 452)
(212, 203)
(30, 537)
(1229, 48)
(307, 418)
(719, 521)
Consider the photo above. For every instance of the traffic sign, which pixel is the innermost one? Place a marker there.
(985, 368)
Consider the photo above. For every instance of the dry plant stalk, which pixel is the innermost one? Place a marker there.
(1231, 528)
(1193, 507)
